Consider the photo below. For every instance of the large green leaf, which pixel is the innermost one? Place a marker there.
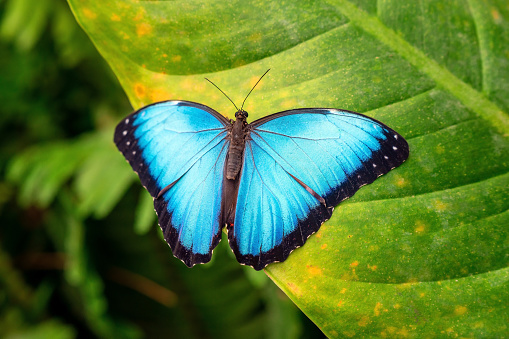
(423, 250)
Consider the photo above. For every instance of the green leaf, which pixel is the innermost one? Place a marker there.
(145, 216)
(421, 252)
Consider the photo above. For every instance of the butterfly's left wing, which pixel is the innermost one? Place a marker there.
(297, 166)
(178, 149)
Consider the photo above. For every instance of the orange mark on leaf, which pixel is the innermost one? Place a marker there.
(89, 14)
(115, 17)
(139, 89)
(354, 264)
(373, 268)
(340, 303)
(143, 29)
(377, 309)
(495, 14)
(324, 246)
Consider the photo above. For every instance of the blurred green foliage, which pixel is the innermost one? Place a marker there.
(71, 262)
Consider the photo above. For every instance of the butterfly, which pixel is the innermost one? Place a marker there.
(272, 182)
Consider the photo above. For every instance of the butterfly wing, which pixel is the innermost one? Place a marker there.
(297, 166)
(178, 149)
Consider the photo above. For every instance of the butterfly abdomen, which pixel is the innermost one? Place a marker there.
(237, 144)
(234, 161)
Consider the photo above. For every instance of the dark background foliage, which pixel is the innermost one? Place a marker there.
(69, 270)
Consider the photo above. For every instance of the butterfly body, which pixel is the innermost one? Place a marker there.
(272, 182)
(237, 135)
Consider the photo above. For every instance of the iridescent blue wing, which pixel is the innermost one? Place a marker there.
(297, 166)
(178, 149)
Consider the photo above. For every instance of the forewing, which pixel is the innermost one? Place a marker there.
(298, 164)
(181, 144)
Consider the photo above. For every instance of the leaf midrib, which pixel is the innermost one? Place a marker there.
(468, 96)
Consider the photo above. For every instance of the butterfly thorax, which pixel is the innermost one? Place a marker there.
(237, 137)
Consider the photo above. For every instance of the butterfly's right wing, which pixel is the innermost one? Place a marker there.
(178, 149)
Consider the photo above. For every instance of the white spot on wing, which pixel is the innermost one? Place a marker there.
(126, 121)
(395, 136)
(134, 152)
(128, 143)
(386, 157)
(394, 148)
(124, 133)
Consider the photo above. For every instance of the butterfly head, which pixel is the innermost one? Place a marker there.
(241, 114)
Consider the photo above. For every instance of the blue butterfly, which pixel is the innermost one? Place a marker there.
(272, 182)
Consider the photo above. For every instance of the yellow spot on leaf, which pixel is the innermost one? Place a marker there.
(287, 104)
(140, 15)
(324, 246)
(403, 332)
(440, 149)
(115, 17)
(254, 80)
(373, 248)
(354, 264)
(256, 37)
(397, 306)
(165, 55)
(373, 268)
(294, 289)
(419, 227)
(364, 321)
(460, 310)
(401, 182)
(159, 95)
(348, 334)
(391, 329)
(478, 324)
(89, 14)
(313, 270)
(378, 306)
(176, 58)
(340, 303)
(440, 206)
(143, 29)
(139, 90)
(319, 234)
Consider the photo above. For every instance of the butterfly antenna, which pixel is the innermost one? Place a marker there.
(223, 93)
(253, 88)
